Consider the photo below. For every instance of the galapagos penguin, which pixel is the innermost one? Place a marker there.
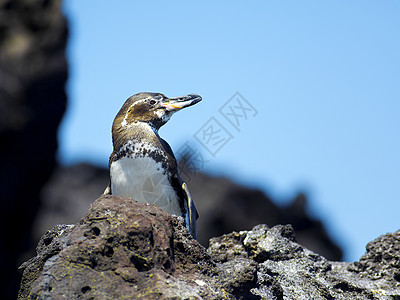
(142, 164)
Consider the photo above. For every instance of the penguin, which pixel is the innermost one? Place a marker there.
(142, 164)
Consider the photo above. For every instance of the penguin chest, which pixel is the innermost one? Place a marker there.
(144, 179)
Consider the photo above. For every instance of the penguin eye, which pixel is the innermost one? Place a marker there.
(152, 102)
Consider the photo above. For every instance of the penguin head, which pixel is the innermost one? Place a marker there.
(152, 108)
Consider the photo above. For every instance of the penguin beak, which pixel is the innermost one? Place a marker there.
(175, 104)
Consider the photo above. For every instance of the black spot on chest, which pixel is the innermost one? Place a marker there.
(131, 150)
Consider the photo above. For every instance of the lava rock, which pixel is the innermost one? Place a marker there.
(121, 249)
(225, 206)
(124, 249)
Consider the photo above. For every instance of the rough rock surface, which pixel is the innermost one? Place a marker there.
(33, 72)
(227, 206)
(123, 249)
(223, 207)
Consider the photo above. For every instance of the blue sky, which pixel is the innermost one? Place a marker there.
(323, 77)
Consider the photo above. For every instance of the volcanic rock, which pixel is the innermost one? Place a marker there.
(123, 249)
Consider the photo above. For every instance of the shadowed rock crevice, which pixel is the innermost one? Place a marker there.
(122, 248)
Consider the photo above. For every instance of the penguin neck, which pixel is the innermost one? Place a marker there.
(143, 130)
(138, 132)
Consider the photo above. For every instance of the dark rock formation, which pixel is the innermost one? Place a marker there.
(123, 249)
(223, 207)
(33, 71)
(381, 262)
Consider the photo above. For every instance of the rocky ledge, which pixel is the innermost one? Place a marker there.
(123, 249)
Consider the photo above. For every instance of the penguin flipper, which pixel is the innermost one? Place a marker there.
(192, 211)
(107, 191)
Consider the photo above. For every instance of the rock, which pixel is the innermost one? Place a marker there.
(228, 206)
(67, 196)
(225, 206)
(49, 245)
(287, 270)
(381, 262)
(33, 72)
(123, 249)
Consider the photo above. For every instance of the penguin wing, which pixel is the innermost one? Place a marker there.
(107, 191)
(187, 203)
(192, 211)
(184, 194)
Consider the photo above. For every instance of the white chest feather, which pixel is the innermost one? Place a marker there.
(142, 179)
